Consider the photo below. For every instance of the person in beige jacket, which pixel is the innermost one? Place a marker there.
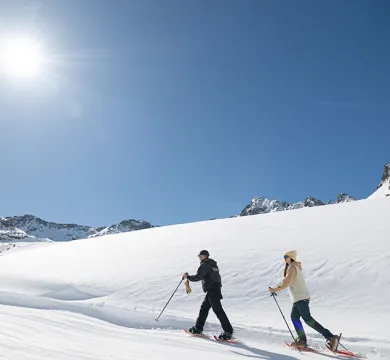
(300, 297)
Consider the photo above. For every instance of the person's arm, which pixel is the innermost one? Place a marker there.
(200, 275)
(290, 276)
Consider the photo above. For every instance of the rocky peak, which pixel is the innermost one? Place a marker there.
(383, 189)
(30, 226)
(39, 228)
(386, 175)
(343, 197)
(31, 223)
(261, 205)
(9, 232)
(310, 201)
(124, 226)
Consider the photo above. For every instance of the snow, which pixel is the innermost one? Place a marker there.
(383, 190)
(98, 298)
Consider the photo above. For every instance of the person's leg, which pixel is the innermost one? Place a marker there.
(295, 318)
(215, 297)
(304, 310)
(203, 313)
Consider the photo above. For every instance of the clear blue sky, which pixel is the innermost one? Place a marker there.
(179, 111)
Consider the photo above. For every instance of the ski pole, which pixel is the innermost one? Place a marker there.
(170, 298)
(274, 296)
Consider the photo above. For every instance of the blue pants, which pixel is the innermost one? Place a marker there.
(301, 309)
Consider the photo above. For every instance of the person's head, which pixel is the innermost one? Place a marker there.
(290, 256)
(204, 254)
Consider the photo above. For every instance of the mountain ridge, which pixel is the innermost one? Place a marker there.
(32, 228)
(263, 205)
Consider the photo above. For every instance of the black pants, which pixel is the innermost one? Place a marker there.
(213, 300)
(301, 309)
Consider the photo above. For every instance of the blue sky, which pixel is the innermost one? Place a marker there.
(179, 111)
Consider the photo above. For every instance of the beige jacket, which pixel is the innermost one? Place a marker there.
(295, 283)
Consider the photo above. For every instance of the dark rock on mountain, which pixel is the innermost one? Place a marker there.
(29, 226)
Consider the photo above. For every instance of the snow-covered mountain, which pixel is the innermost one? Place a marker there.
(124, 226)
(10, 233)
(261, 205)
(386, 175)
(342, 198)
(27, 227)
(383, 189)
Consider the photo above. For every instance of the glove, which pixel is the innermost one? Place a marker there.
(188, 288)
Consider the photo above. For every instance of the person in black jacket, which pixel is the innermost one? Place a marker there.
(208, 272)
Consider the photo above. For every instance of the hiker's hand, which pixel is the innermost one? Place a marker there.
(185, 276)
(271, 290)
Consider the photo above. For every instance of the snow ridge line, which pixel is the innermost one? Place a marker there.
(117, 316)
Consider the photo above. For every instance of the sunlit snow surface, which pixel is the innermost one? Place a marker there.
(98, 298)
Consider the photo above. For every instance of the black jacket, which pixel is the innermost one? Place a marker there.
(208, 272)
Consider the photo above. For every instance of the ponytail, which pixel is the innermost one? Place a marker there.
(286, 267)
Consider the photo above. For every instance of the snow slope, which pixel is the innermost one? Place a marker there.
(383, 190)
(97, 298)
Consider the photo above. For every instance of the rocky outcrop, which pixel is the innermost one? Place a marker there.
(385, 176)
(261, 205)
(124, 226)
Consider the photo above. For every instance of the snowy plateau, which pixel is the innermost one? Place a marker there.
(98, 298)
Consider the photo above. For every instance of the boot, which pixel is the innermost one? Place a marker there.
(225, 336)
(195, 330)
(301, 343)
(333, 342)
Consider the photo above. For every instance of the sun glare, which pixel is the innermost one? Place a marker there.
(20, 58)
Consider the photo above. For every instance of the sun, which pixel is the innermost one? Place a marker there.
(21, 57)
